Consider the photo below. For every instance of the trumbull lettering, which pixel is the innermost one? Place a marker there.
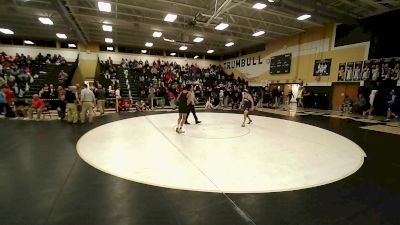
(251, 61)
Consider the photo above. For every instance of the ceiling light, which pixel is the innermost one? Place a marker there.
(271, 1)
(6, 31)
(108, 40)
(210, 51)
(259, 33)
(170, 17)
(304, 17)
(110, 49)
(173, 54)
(28, 42)
(71, 46)
(196, 57)
(183, 48)
(62, 36)
(259, 6)
(107, 28)
(222, 26)
(229, 44)
(144, 51)
(148, 44)
(157, 34)
(169, 40)
(46, 20)
(104, 6)
(198, 39)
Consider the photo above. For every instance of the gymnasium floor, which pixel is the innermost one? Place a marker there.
(132, 168)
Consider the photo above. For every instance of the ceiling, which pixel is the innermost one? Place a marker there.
(134, 21)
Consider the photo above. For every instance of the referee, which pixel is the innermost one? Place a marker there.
(192, 109)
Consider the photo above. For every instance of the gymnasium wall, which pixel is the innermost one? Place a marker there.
(306, 47)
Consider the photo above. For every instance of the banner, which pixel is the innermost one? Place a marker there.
(322, 67)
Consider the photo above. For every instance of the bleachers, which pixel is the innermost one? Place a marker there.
(50, 76)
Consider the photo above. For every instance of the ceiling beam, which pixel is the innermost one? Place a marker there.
(70, 20)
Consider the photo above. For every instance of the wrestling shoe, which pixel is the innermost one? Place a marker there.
(187, 123)
(250, 122)
(197, 122)
(243, 125)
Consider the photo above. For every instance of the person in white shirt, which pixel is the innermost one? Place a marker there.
(349, 73)
(88, 101)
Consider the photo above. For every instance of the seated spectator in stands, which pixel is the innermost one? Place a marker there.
(62, 77)
(118, 93)
(40, 58)
(347, 105)
(36, 106)
(45, 92)
(360, 104)
(54, 59)
(215, 101)
(53, 92)
(209, 104)
(21, 108)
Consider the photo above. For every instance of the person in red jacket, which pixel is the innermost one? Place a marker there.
(36, 106)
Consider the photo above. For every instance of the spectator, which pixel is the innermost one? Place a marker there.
(36, 106)
(21, 108)
(347, 105)
(87, 100)
(359, 105)
(62, 77)
(101, 98)
(72, 109)
(393, 106)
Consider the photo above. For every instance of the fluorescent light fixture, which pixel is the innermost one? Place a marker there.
(210, 51)
(28, 42)
(259, 33)
(104, 6)
(259, 6)
(6, 31)
(108, 40)
(183, 48)
(110, 49)
(173, 54)
(107, 28)
(46, 20)
(304, 17)
(271, 1)
(148, 44)
(144, 51)
(229, 44)
(196, 57)
(157, 34)
(169, 40)
(222, 26)
(170, 17)
(71, 46)
(198, 39)
(62, 36)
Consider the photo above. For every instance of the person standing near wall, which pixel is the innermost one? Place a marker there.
(87, 100)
